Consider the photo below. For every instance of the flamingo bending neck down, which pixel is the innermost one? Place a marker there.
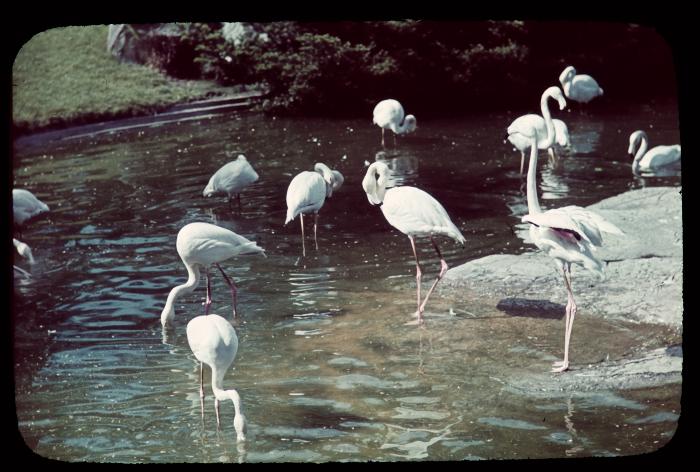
(413, 212)
(653, 159)
(579, 87)
(203, 245)
(307, 192)
(389, 114)
(214, 342)
(521, 127)
(569, 236)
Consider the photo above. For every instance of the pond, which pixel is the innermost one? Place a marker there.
(327, 368)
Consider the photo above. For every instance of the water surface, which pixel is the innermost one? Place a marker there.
(327, 369)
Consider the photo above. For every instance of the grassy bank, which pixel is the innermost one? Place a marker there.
(65, 76)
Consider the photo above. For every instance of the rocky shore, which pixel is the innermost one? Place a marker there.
(644, 282)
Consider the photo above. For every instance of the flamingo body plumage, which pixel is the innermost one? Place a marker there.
(231, 178)
(26, 206)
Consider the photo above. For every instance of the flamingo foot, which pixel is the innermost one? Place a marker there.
(560, 366)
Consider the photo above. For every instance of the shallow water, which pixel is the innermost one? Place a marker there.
(326, 368)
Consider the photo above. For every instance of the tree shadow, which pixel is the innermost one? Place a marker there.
(531, 308)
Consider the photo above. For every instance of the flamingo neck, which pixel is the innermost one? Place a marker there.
(533, 205)
(551, 134)
(640, 153)
(187, 287)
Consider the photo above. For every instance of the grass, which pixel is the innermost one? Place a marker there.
(66, 76)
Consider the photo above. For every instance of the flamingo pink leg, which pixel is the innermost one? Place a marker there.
(207, 302)
(216, 408)
(443, 269)
(418, 278)
(382, 137)
(561, 366)
(201, 387)
(303, 245)
(231, 286)
(315, 225)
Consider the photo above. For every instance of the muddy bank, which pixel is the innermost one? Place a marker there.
(643, 284)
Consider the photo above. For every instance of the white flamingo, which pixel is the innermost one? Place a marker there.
(569, 235)
(25, 251)
(545, 126)
(413, 212)
(231, 179)
(307, 193)
(214, 343)
(389, 114)
(654, 158)
(26, 206)
(203, 245)
(579, 87)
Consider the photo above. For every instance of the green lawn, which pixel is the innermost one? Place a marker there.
(66, 76)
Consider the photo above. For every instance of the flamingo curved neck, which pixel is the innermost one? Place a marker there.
(643, 146)
(187, 287)
(549, 141)
(533, 204)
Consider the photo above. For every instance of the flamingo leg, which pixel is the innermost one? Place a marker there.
(231, 286)
(207, 302)
(382, 137)
(315, 225)
(569, 323)
(303, 245)
(394, 139)
(238, 197)
(418, 277)
(522, 161)
(443, 269)
(216, 408)
(201, 387)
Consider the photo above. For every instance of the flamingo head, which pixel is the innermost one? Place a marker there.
(567, 74)
(374, 183)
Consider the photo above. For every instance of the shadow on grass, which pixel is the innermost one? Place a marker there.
(531, 308)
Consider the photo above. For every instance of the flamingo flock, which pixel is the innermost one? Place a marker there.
(569, 235)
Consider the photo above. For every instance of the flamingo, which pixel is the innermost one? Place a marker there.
(231, 179)
(654, 158)
(569, 235)
(307, 193)
(546, 130)
(413, 212)
(389, 114)
(25, 251)
(214, 343)
(579, 87)
(203, 245)
(26, 206)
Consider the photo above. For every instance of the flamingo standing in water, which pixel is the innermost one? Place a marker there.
(545, 126)
(203, 245)
(307, 192)
(413, 212)
(389, 114)
(579, 87)
(231, 179)
(653, 159)
(214, 343)
(569, 236)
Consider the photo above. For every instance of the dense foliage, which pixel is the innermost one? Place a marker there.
(431, 66)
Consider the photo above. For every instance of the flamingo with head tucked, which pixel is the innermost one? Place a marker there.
(307, 192)
(389, 114)
(579, 87)
(231, 179)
